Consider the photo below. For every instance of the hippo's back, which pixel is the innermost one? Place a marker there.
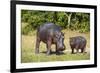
(48, 26)
(47, 30)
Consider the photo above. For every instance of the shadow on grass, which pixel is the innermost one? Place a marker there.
(53, 52)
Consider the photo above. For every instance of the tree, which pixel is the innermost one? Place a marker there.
(68, 15)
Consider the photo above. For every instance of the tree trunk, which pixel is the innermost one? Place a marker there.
(55, 17)
(69, 20)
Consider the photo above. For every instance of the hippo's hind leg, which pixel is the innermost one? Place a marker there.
(49, 47)
(37, 45)
(83, 49)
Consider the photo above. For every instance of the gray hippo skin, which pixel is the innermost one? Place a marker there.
(49, 33)
(77, 43)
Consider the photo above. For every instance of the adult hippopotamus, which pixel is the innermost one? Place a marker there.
(77, 43)
(50, 33)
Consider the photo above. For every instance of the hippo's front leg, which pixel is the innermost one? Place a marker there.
(57, 51)
(72, 50)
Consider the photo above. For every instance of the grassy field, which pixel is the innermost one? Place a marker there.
(28, 48)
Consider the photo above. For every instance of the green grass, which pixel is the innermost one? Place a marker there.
(28, 48)
(31, 57)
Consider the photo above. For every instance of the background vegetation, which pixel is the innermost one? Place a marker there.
(67, 20)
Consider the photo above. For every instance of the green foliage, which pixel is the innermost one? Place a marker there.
(67, 20)
(26, 29)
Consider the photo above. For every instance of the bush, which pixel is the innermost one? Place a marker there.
(67, 20)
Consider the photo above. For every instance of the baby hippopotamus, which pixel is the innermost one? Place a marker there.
(77, 43)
